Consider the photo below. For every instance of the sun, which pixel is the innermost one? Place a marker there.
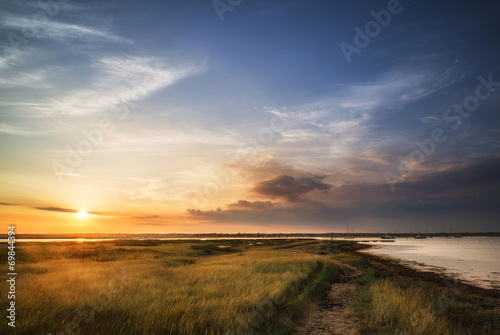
(82, 214)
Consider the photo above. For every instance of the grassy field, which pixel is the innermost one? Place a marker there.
(221, 287)
(150, 287)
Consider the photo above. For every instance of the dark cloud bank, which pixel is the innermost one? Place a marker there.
(458, 196)
(290, 188)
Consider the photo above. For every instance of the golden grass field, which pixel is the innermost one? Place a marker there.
(134, 287)
(219, 287)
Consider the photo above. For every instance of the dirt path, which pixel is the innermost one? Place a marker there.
(330, 314)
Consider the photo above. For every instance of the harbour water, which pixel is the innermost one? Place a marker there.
(475, 260)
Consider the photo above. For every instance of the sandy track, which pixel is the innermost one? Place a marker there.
(330, 314)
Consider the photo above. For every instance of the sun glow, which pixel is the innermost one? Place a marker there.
(82, 215)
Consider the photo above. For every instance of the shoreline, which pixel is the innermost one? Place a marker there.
(396, 267)
(180, 235)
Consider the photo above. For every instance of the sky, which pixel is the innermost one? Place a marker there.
(249, 116)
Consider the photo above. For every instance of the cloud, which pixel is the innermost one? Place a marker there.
(270, 166)
(430, 119)
(327, 126)
(469, 190)
(56, 209)
(347, 121)
(289, 187)
(122, 80)
(68, 174)
(197, 212)
(6, 129)
(479, 173)
(102, 213)
(251, 204)
(146, 217)
(36, 79)
(10, 58)
(471, 186)
(339, 131)
(60, 31)
(388, 89)
(43, 208)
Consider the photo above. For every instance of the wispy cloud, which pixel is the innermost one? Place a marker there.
(36, 79)
(345, 123)
(6, 129)
(121, 80)
(56, 209)
(430, 119)
(6, 58)
(63, 32)
(388, 89)
(69, 174)
(146, 217)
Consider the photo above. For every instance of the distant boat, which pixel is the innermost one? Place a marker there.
(388, 237)
(420, 237)
(452, 235)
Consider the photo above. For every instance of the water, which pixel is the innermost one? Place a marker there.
(475, 260)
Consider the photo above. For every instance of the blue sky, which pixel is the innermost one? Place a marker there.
(254, 122)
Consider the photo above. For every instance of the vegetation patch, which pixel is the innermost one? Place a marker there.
(166, 288)
(386, 303)
(239, 287)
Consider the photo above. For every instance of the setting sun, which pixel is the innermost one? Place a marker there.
(82, 215)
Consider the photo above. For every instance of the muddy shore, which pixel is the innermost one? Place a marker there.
(394, 267)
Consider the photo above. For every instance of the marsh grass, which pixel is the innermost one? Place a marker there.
(389, 304)
(149, 287)
(222, 287)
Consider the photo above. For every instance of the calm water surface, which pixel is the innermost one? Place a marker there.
(472, 259)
